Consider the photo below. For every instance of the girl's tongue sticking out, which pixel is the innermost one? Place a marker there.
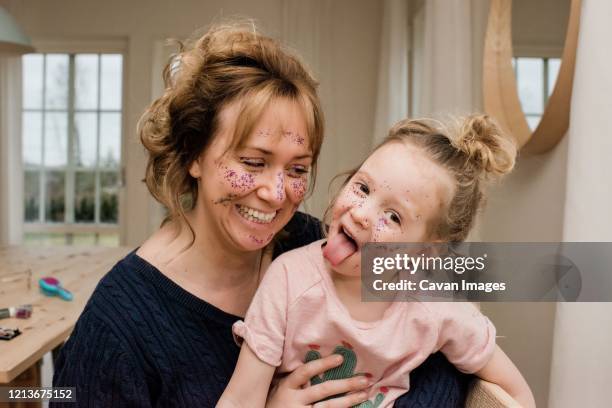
(338, 248)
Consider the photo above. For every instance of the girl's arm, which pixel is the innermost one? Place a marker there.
(250, 382)
(252, 377)
(502, 371)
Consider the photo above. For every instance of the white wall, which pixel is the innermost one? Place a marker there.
(582, 361)
(338, 37)
(528, 207)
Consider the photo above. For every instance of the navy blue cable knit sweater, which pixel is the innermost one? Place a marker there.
(144, 341)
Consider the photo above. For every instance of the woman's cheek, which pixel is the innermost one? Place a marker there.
(297, 188)
(240, 182)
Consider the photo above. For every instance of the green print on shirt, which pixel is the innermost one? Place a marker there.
(344, 370)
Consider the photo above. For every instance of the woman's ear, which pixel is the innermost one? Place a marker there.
(195, 170)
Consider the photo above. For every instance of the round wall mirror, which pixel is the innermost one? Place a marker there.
(529, 58)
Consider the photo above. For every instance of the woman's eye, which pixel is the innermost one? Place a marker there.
(298, 171)
(254, 163)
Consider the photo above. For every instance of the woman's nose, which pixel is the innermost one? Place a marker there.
(272, 188)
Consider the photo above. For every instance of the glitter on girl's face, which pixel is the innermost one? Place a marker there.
(381, 224)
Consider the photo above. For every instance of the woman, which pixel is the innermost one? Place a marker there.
(231, 144)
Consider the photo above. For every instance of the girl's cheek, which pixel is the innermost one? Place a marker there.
(381, 227)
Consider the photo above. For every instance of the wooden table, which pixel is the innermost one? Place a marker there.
(78, 268)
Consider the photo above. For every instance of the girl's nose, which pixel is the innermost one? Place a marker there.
(360, 214)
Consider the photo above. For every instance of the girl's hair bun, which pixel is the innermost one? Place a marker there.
(491, 154)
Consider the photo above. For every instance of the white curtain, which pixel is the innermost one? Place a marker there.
(446, 83)
(427, 60)
(393, 76)
(11, 169)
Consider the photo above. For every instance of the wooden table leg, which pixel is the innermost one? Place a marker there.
(29, 378)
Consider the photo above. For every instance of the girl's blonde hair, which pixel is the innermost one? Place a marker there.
(229, 63)
(472, 149)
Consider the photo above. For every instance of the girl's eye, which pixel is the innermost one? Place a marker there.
(363, 187)
(298, 171)
(394, 217)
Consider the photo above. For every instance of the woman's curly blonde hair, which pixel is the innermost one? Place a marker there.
(229, 63)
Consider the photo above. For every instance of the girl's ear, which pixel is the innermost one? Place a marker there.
(195, 169)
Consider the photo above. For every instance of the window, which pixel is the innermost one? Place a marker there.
(72, 147)
(535, 78)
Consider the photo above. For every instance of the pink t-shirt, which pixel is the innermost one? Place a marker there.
(296, 316)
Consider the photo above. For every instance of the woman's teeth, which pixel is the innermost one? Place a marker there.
(256, 216)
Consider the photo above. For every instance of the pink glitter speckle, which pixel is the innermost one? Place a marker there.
(280, 186)
(241, 182)
(256, 240)
(260, 241)
(295, 137)
(298, 187)
(381, 224)
(264, 133)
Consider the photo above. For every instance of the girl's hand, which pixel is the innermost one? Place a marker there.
(289, 391)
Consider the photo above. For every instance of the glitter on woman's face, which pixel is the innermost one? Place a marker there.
(239, 181)
(264, 133)
(298, 188)
(294, 137)
(261, 241)
(280, 186)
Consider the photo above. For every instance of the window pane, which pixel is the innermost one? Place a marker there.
(44, 238)
(110, 140)
(108, 239)
(84, 196)
(54, 200)
(530, 73)
(31, 195)
(56, 81)
(553, 71)
(32, 138)
(56, 139)
(110, 89)
(109, 197)
(86, 81)
(32, 70)
(85, 144)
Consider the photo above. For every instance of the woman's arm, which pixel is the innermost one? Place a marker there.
(502, 371)
(103, 372)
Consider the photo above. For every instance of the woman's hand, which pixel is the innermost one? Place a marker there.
(289, 391)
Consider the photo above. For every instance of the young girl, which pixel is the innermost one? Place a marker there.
(422, 184)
